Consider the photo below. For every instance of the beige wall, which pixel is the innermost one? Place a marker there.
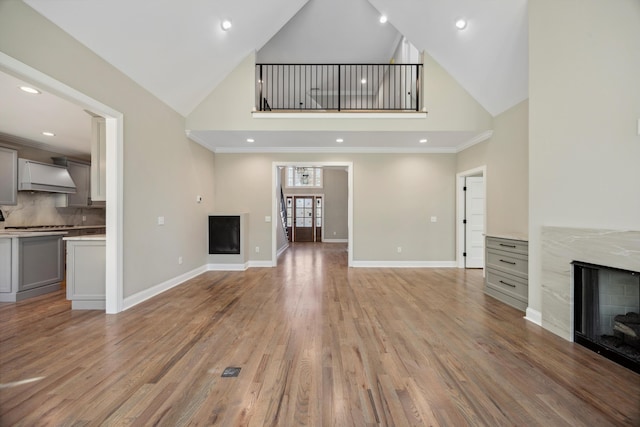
(473, 157)
(449, 107)
(163, 170)
(507, 180)
(336, 225)
(584, 64)
(388, 212)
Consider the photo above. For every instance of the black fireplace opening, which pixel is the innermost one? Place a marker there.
(224, 234)
(607, 312)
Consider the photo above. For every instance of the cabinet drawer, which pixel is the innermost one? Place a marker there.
(509, 262)
(517, 246)
(507, 284)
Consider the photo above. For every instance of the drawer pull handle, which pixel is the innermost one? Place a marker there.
(508, 246)
(508, 262)
(508, 284)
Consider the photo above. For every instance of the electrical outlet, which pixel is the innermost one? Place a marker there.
(179, 260)
(84, 218)
(257, 249)
(198, 199)
(434, 219)
(160, 220)
(399, 249)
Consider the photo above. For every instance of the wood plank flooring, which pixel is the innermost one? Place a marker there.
(318, 344)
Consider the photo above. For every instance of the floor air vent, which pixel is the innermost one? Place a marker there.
(230, 372)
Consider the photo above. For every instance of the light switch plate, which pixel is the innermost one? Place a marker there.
(434, 219)
(267, 219)
(160, 220)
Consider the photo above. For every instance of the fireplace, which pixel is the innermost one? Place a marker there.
(607, 312)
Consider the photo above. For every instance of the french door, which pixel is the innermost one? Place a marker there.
(307, 219)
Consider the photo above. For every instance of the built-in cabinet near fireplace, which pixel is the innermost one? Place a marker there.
(607, 312)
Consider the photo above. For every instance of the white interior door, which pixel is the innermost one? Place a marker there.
(474, 226)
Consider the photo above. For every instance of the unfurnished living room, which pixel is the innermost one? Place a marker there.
(320, 212)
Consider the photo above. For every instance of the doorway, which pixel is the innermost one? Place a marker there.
(317, 208)
(114, 176)
(471, 217)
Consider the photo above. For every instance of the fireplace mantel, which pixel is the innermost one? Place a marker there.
(561, 246)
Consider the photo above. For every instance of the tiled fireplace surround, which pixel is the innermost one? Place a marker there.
(561, 246)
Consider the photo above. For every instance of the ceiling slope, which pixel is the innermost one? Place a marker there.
(489, 58)
(333, 31)
(178, 53)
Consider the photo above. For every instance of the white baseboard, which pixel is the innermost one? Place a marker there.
(282, 249)
(227, 267)
(533, 316)
(404, 264)
(335, 241)
(160, 288)
(253, 264)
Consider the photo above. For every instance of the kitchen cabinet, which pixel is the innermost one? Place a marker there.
(6, 265)
(86, 271)
(32, 264)
(507, 269)
(8, 176)
(98, 159)
(81, 174)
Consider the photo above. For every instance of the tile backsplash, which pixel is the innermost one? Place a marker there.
(40, 209)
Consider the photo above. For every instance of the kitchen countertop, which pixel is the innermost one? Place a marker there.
(510, 236)
(11, 234)
(88, 237)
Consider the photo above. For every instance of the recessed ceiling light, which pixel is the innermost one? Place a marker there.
(226, 24)
(48, 134)
(383, 19)
(339, 140)
(423, 141)
(30, 90)
(251, 140)
(461, 24)
(363, 81)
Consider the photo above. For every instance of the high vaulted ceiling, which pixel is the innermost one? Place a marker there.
(178, 51)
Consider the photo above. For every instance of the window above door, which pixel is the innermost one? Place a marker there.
(303, 177)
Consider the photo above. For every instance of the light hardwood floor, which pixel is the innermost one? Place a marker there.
(319, 344)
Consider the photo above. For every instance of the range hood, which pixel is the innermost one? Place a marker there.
(36, 176)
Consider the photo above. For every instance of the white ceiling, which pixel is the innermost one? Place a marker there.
(326, 141)
(23, 118)
(332, 32)
(178, 51)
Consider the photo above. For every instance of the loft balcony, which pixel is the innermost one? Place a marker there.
(338, 87)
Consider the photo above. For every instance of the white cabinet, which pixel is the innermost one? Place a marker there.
(86, 271)
(8, 176)
(98, 159)
(81, 175)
